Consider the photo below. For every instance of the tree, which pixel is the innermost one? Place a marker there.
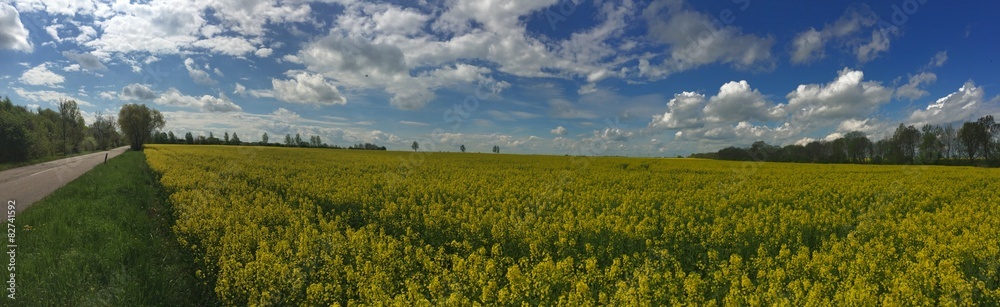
(15, 134)
(263, 138)
(72, 125)
(858, 146)
(930, 144)
(907, 140)
(462, 148)
(288, 140)
(969, 135)
(212, 139)
(226, 138)
(104, 130)
(298, 140)
(949, 141)
(496, 149)
(138, 122)
(415, 146)
(235, 140)
(989, 130)
(171, 137)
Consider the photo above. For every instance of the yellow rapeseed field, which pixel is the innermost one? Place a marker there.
(291, 226)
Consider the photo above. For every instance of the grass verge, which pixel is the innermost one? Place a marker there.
(105, 239)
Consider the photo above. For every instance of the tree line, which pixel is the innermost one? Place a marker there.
(33, 134)
(168, 137)
(27, 135)
(973, 143)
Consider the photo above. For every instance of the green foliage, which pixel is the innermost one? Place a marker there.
(138, 123)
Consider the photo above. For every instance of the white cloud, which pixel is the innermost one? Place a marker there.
(695, 40)
(683, 111)
(199, 76)
(86, 60)
(736, 102)
(965, 104)
(291, 58)
(912, 89)
(86, 34)
(228, 45)
(849, 96)
(562, 108)
(51, 97)
(108, 95)
(13, 35)
(263, 52)
(240, 90)
(285, 115)
(307, 88)
(939, 59)
(207, 103)
(137, 91)
(850, 31)
(41, 75)
(72, 68)
(560, 130)
(413, 123)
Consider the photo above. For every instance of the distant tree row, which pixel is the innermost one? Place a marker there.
(32, 134)
(315, 141)
(931, 144)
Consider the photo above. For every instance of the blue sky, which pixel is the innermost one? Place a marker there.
(638, 78)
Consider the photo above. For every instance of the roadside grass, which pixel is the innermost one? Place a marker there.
(105, 239)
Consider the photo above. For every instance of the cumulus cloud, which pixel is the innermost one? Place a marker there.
(306, 88)
(736, 101)
(41, 75)
(848, 96)
(207, 103)
(13, 35)
(560, 130)
(137, 91)
(683, 111)
(199, 76)
(912, 88)
(693, 40)
(263, 52)
(856, 30)
(86, 60)
(228, 45)
(965, 104)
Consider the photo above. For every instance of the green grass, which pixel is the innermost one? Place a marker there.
(105, 239)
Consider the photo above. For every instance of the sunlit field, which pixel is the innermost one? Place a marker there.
(297, 226)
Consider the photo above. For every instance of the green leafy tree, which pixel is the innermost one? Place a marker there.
(263, 138)
(138, 122)
(71, 126)
(462, 148)
(15, 136)
(415, 146)
(189, 138)
(235, 140)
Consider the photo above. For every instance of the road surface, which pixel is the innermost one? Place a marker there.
(29, 184)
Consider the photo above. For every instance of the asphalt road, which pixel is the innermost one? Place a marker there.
(28, 184)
